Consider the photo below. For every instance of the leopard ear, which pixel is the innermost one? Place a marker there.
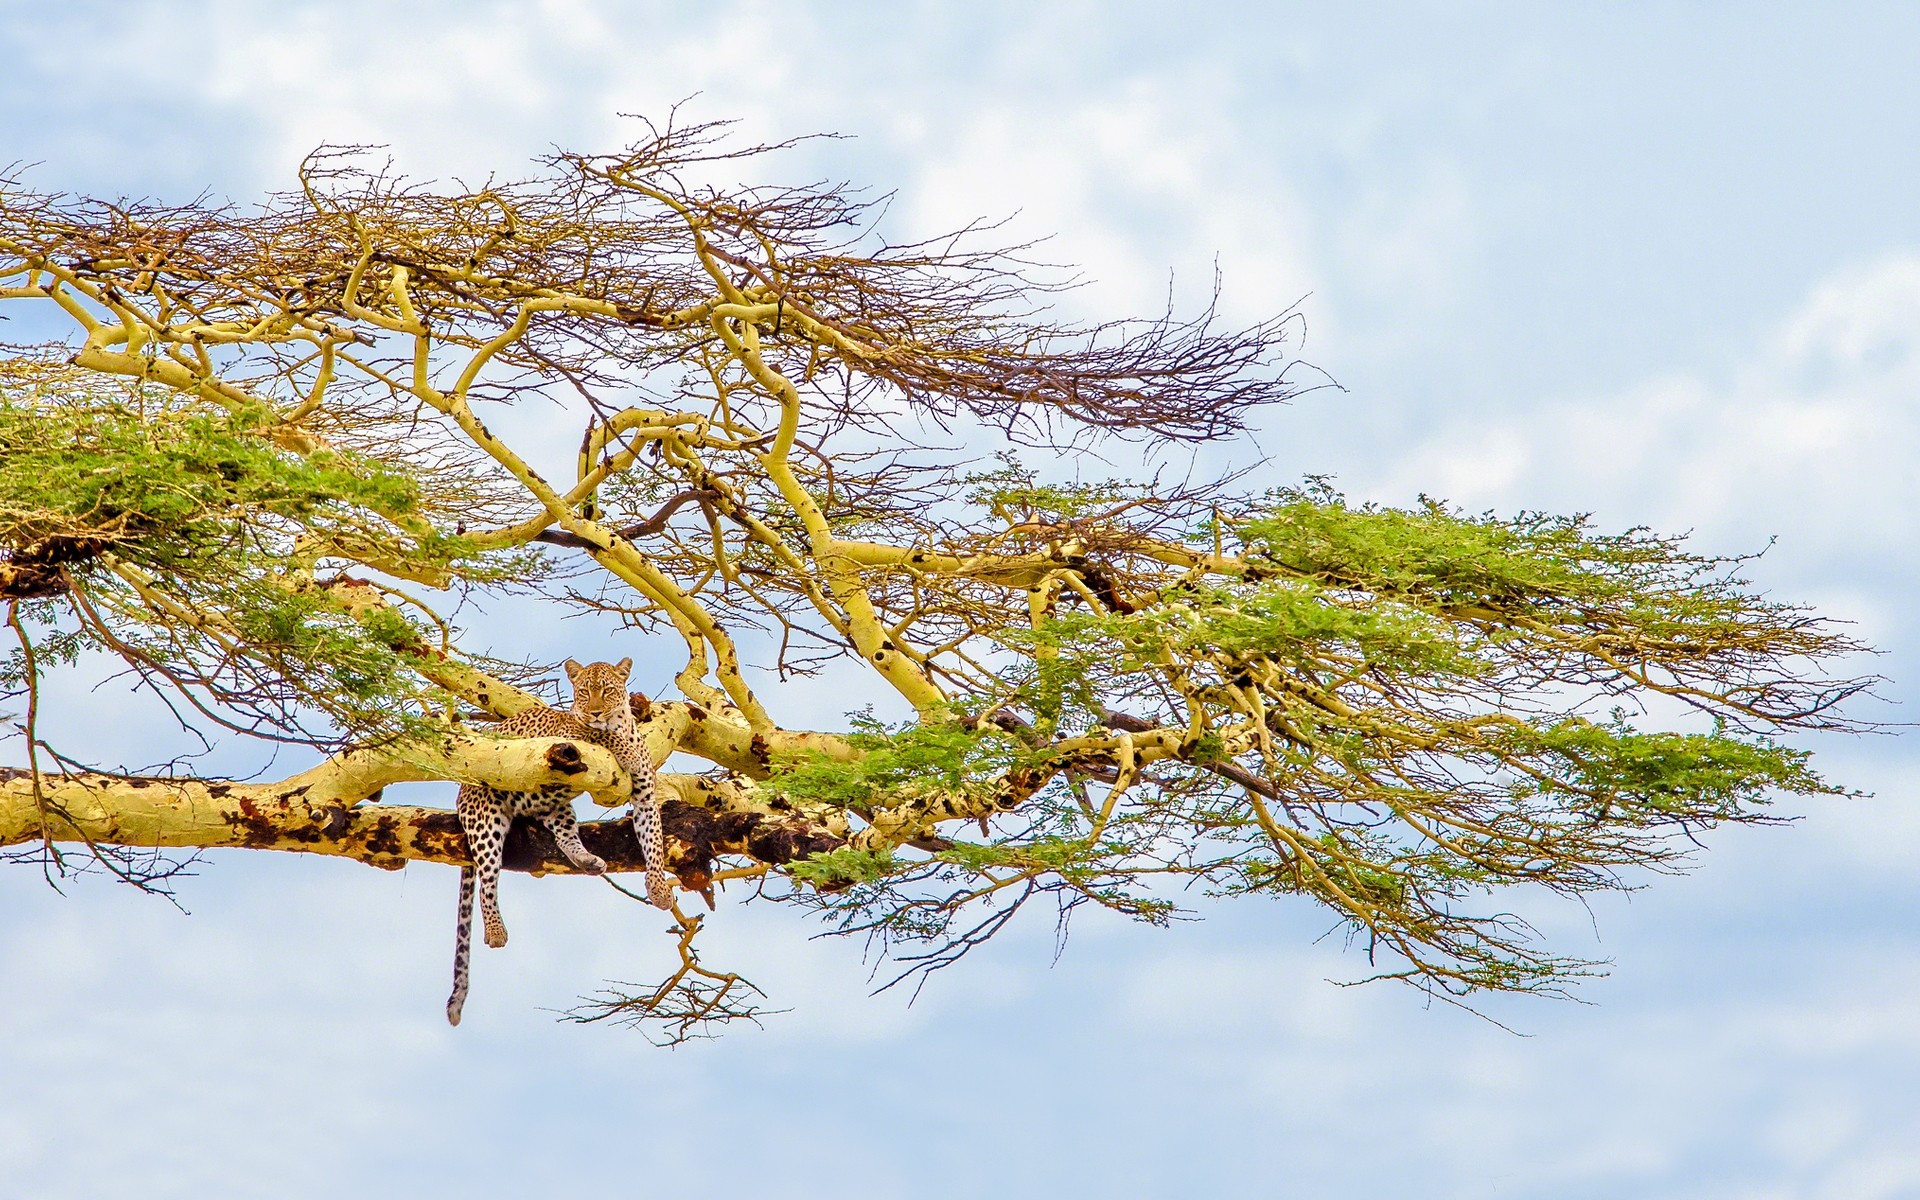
(573, 670)
(623, 666)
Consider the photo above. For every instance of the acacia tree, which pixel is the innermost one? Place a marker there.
(260, 475)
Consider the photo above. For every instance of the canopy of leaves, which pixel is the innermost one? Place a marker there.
(1391, 710)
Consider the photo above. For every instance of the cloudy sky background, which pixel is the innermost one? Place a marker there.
(1657, 262)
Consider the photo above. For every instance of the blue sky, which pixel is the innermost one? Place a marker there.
(1656, 261)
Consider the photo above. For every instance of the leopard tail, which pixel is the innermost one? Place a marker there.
(462, 947)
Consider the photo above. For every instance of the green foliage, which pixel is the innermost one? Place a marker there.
(1014, 492)
(52, 646)
(1281, 620)
(946, 755)
(1452, 564)
(216, 519)
(845, 865)
(171, 490)
(1384, 709)
(1620, 771)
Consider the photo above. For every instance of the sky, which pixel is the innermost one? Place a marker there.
(1657, 261)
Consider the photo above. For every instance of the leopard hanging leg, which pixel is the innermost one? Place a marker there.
(462, 947)
(653, 845)
(565, 828)
(484, 818)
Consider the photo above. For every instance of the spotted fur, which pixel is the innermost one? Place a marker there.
(600, 715)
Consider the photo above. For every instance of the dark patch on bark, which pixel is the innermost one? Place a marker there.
(307, 832)
(333, 821)
(771, 840)
(695, 838)
(256, 829)
(383, 838)
(689, 833)
(565, 758)
(439, 833)
(529, 847)
(35, 571)
(1100, 584)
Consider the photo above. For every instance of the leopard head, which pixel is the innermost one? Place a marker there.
(600, 693)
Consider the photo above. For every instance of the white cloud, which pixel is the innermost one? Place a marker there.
(453, 89)
(1686, 1082)
(1407, 245)
(1811, 437)
(1095, 170)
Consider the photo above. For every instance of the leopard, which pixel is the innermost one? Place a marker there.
(602, 715)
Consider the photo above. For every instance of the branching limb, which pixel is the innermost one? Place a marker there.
(693, 1002)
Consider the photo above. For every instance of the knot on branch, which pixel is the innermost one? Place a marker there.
(564, 757)
(332, 820)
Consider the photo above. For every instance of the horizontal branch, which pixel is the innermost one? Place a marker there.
(704, 818)
(137, 810)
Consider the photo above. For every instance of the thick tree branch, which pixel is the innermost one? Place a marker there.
(161, 811)
(704, 818)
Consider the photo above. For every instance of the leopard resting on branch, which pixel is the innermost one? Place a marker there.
(600, 714)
